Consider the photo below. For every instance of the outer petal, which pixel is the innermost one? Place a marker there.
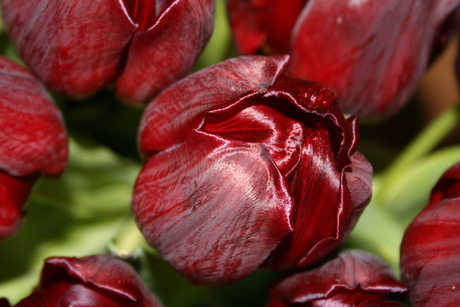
(430, 262)
(103, 274)
(13, 195)
(75, 47)
(214, 208)
(353, 278)
(167, 51)
(172, 116)
(32, 134)
(82, 296)
(49, 297)
(349, 46)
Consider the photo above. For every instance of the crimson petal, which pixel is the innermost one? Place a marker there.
(282, 136)
(81, 296)
(167, 50)
(14, 192)
(213, 207)
(33, 138)
(168, 120)
(430, 263)
(349, 46)
(75, 47)
(106, 273)
(354, 277)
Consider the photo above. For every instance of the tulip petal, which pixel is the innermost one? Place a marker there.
(317, 194)
(166, 51)
(32, 134)
(109, 275)
(353, 278)
(214, 208)
(171, 117)
(13, 195)
(48, 297)
(374, 68)
(282, 136)
(81, 296)
(430, 262)
(247, 19)
(257, 22)
(74, 46)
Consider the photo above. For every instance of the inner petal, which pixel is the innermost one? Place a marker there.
(282, 136)
(146, 12)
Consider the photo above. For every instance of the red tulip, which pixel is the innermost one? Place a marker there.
(77, 47)
(92, 281)
(430, 250)
(353, 278)
(247, 167)
(371, 53)
(33, 140)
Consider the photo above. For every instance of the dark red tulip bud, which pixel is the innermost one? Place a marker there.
(92, 281)
(353, 278)
(247, 167)
(77, 47)
(430, 261)
(33, 140)
(371, 53)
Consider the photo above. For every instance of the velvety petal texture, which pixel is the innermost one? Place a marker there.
(371, 53)
(353, 278)
(93, 281)
(246, 167)
(33, 140)
(430, 262)
(142, 45)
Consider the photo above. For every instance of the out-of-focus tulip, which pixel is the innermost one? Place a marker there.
(353, 278)
(430, 250)
(79, 46)
(92, 281)
(371, 53)
(247, 167)
(263, 23)
(33, 140)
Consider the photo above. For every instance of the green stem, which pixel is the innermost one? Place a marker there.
(127, 240)
(428, 139)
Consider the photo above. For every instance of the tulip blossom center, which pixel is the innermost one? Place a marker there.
(145, 12)
(282, 136)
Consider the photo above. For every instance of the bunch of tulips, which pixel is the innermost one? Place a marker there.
(189, 152)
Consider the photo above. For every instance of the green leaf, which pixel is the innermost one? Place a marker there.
(408, 193)
(378, 232)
